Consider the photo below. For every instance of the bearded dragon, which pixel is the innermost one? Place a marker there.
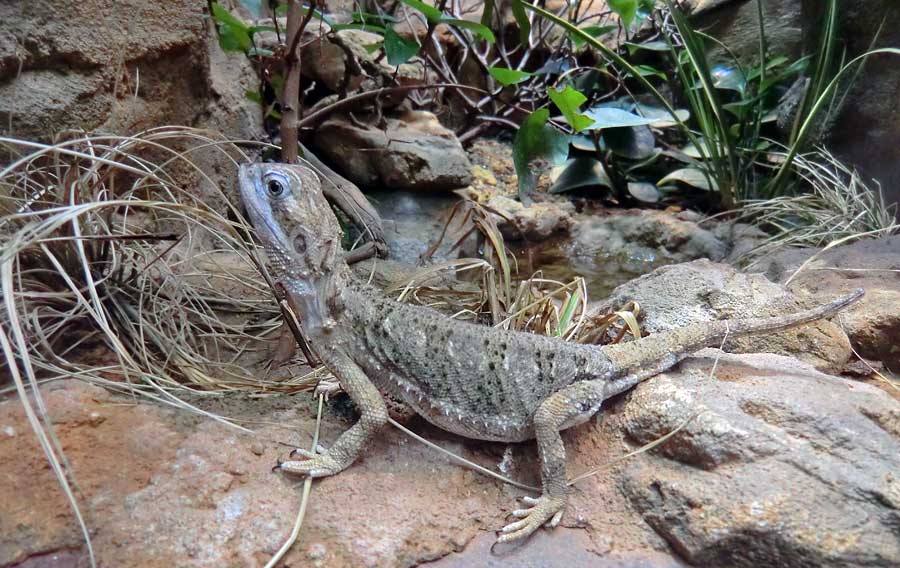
(473, 380)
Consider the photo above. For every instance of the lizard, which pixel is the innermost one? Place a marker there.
(469, 379)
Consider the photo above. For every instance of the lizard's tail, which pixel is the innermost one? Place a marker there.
(638, 360)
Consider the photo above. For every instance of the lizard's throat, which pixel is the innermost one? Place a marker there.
(315, 299)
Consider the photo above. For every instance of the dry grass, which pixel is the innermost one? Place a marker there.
(838, 205)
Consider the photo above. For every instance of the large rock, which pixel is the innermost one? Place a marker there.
(784, 466)
(702, 291)
(125, 67)
(412, 151)
(535, 222)
(162, 488)
(873, 324)
(646, 234)
(119, 67)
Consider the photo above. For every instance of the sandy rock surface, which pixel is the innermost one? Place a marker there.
(873, 325)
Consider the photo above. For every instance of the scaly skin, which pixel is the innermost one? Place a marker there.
(469, 379)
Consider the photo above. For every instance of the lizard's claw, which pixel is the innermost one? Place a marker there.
(320, 449)
(545, 509)
(321, 465)
(327, 387)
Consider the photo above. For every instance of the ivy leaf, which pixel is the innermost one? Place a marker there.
(626, 9)
(536, 140)
(234, 35)
(398, 49)
(610, 117)
(508, 77)
(478, 29)
(569, 102)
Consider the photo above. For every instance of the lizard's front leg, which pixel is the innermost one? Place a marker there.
(373, 416)
(569, 406)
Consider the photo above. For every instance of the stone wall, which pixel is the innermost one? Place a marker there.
(120, 66)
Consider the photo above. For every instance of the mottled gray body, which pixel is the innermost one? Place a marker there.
(470, 379)
(473, 380)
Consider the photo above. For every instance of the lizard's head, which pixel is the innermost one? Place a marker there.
(296, 226)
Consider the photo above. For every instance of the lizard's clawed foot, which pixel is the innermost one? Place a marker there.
(544, 509)
(316, 465)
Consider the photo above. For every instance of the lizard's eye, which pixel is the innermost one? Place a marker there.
(275, 187)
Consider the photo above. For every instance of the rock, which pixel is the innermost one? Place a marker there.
(324, 59)
(160, 488)
(122, 68)
(701, 291)
(412, 151)
(538, 221)
(785, 466)
(645, 234)
(873, 324)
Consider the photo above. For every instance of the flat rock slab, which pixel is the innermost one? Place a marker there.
(160, 487)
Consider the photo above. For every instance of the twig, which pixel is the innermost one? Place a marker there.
(304, 499)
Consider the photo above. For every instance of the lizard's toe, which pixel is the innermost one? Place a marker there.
(544, 509)
(321, 465)
(308, 454)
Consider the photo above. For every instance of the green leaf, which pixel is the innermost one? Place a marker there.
(626, 9)
(635, 143)
(644, 191)
(579, 173)
(569, 102)
(366, 27)
(693, 177)
(657, 45)
(649, 71)
(479, 29)
(521, 17)
(661, 117)
(431, 13)
(729, 78)
(508, 77)
(487, 13)
(234, 35)
(397, 48)
(609, 117)
(593, 31)
(536, 140)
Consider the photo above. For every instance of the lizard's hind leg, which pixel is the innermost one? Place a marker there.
(569, 406)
